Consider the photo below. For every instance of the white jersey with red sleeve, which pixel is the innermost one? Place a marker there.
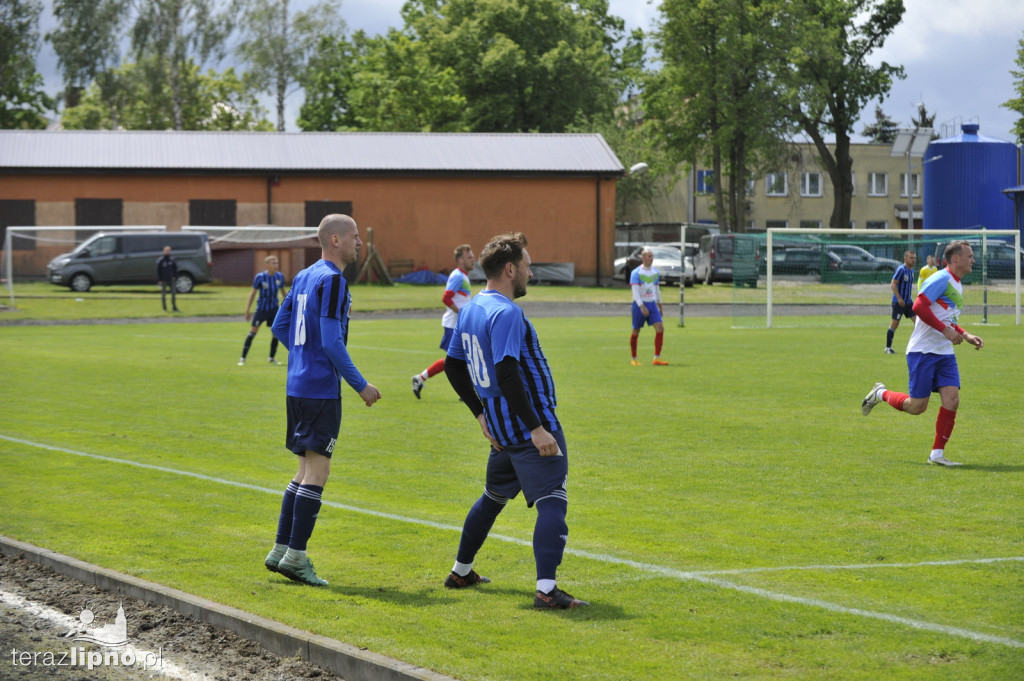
(456, 293)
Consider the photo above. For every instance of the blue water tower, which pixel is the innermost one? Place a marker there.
(964, 179)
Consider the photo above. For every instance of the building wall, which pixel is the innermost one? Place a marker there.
(413, 218)
(672, 204)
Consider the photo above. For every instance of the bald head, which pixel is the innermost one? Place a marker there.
(332, 224)
(339, 239)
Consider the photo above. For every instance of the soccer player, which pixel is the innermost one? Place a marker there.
(167, 274)
(456, 295)
(902, 300)
(931, 362)
(646, 284)
(496, 365)
(270, 285)
(928, 270)
(313, 324)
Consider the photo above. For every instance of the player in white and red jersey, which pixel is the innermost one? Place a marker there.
(456, 294)
(930, 359)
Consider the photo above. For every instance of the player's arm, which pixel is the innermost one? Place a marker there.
(334, 347)
(248, 304)
(510, 383)
(282, 326)
(895, 289)
(457, 372)
(449, 300)
(923, 310)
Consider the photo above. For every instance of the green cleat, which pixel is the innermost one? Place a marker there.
(273, 559)
(300, 572)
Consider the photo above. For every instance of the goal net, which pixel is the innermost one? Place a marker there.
(28, 250)
(842, 277)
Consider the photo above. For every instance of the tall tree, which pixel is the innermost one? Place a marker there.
(175, 33)
(883, 130)
(23, 103)
(831, 80)
(277, 43)
(1016, 104)
(86, 40)
(715, 98)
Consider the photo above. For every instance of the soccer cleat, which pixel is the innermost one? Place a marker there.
(556, 600)
(241, 362)
(457, 581)
(871, 400)
(274, 362)
(300, 572)
(943, 461)
(417, 385)
(636, 363)
(659, 362)
(273, 560)
(890, 351)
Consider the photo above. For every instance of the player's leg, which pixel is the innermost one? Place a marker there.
(434, 369)
(948, 380)
(659, 338)
(273, 339)
(638, 323)
(163, 294)
(920, 368)
(893, 325)
(248, 342)
(500, 486)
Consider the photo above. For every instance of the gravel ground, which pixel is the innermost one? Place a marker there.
(41, 613)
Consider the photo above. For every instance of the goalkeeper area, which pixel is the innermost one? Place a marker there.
(842, 277)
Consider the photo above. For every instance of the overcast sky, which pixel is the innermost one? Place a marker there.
(957, 56)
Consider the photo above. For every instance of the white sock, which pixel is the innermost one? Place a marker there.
(423, 375)
(936, 454)
(545, 586)
(293, 556)
(462, 569)
(280, 549)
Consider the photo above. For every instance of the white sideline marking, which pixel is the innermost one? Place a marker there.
(694, 576)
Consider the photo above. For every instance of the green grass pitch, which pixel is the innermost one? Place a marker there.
(732, 515)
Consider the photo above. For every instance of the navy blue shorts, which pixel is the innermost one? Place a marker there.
(929, 372)
(904, 311)
(313, 425)
(261, 316)
(638, 317)
(521, 468)
(446, 339)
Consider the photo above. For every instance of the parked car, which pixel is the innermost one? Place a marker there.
(130, 258)
(999, 255)
(803, 261)
(666, 259)
(728, 257)
(856, 259)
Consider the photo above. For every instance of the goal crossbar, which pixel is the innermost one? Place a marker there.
(982, 234)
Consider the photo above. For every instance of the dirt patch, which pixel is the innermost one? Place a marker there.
(41, 614)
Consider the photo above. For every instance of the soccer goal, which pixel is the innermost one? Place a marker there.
(28, 250)
(835, 276)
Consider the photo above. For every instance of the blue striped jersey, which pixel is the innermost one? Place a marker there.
(904, 279)
(318, 291)
(269, 286)
(490, 328)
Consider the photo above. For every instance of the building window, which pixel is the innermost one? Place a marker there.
(877, 224)
(17, 213)
(776, 224)
(751, 185)
(810, 224)
(810, 184)
(775, 184)
(916, 179)
(97, 213)
(705, 181)
(317, 210)
(213, 212)
(878, 184)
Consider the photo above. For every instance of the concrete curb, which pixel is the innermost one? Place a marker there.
(349, 662)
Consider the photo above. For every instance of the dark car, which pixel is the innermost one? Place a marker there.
(803, 261)
(856, 259)
(999, 259)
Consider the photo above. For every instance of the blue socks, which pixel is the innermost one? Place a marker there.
(549, 536)
(478, 523)
(284, 522)
(304, 512)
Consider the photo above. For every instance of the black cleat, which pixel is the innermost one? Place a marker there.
(456, 581)
(556, 600)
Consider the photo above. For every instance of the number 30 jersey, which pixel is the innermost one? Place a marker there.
(490, 328)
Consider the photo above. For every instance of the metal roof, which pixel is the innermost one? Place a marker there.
(339, 152)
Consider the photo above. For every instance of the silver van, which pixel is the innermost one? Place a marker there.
(130, 258)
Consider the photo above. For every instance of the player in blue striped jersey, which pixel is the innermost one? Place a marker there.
(902, 300)
(269, 284)
(313, 324)
(496, 365)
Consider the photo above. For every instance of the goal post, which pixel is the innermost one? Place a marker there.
(988, 244)
(28, 249)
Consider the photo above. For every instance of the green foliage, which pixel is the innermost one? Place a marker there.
(131, 97)
(883, 130)
(23, 103)
(1016, 104)
(752, 454)
(86, 40)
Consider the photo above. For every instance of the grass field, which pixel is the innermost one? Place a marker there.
(732, 515)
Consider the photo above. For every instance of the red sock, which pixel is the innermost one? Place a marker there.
(435, 368)
(632, 344)
(895, 399)
(658, 338)
(943, 427)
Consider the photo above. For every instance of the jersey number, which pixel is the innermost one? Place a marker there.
(477, 364)
(300, 333)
